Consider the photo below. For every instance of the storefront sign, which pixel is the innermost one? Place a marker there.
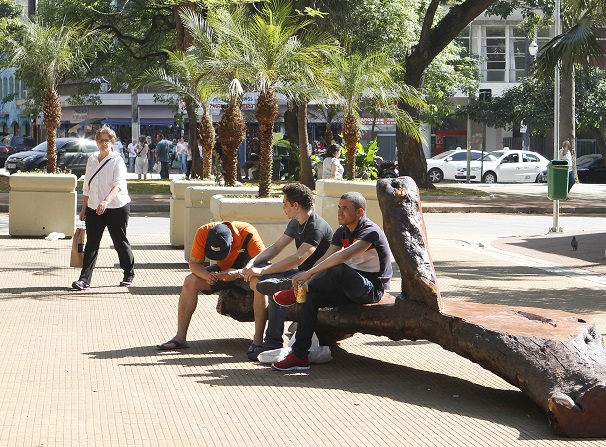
(79, 114)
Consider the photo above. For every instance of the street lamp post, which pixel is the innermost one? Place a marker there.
(532, 49)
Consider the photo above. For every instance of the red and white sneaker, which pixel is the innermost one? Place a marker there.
(291, 363)
(285, 297)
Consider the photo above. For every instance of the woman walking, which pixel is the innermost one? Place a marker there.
(106, 205)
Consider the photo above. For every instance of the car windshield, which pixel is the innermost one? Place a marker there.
(588, 159)
(40, 148)
(493, 156)
(442, 155)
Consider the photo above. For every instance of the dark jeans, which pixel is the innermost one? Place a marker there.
(116, 221)
(276, 314)
(571, 180)
(189, 165)
(164, 170)
(338, 286)
(151, 161)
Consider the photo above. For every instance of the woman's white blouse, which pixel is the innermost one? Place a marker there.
(112, 174)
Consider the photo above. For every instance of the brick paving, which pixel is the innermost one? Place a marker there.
(81, 368)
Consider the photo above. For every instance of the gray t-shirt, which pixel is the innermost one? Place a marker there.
(316, 232)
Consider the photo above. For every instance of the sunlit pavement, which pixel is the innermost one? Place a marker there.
(81, 368)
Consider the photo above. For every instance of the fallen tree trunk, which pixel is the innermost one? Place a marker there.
(554, 357)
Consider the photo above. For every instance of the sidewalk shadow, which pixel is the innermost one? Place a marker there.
(354, 374)
(182, 356)
(361, 376)
(485, 287)
(558, 249)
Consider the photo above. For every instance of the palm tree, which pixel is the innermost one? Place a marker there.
(368, 79)
(184, 77)
(231, 129)
(577, 45)
(271, 52)
(45, 56)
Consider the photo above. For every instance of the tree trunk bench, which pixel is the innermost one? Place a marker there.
(554, 357)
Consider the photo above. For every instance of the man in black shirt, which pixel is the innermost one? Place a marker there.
(312, 236)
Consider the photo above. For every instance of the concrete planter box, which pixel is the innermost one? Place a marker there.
(197, 209)
(330, 191)
(177, 208)
(266, 215)
(40, 204)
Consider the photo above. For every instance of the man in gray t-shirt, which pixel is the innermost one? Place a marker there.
(312, 236)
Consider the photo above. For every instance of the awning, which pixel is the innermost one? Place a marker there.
(116, 121)
(144, 121)
(77, 126)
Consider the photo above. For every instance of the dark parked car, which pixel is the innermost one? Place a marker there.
(11, 145)
(72, 154)
(590, 169)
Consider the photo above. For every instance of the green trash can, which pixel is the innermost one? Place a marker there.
(557, 180)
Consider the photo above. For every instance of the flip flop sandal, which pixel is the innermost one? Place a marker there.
(254, 351)
(176, 346)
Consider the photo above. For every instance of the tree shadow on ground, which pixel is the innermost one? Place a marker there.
(353, 374)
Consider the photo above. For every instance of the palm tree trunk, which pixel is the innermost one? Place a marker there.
(231, 131)
(305, 174)
(207, 138)
(267, 110)
(51, 108)
(351, 135)
(190, 109)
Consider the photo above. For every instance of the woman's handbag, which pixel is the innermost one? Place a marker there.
(78, 241)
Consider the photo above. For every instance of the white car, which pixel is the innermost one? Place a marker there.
(506, 166)
(444, 166)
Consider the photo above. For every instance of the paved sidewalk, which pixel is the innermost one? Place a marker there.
(81, 368)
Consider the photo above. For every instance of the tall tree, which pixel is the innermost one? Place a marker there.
(185, 76)
(577, 46)
(46, 55)
(269, 50)
(369, 79)
(438, 30)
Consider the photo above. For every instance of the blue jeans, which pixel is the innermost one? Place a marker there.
(571, 180)
(276, 314)
(131, 164)
(183, 164)
(338, 286)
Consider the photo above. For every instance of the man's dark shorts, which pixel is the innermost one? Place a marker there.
(226, 285)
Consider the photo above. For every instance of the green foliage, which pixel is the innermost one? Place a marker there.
(10, 13)
(366, 167)
(531, 102)
(140, 31)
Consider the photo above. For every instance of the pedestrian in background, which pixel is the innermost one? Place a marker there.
(141, 163)
(132, 155)
(566, 154)
(163, 155)
(151, 156)
(182, 155)
(106, 204)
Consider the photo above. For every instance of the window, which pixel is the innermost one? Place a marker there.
(459, 156)
(494, 52)
(519, 61)
(530, 158)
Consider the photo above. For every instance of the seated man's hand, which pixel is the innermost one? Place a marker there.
(229, 274)
(250, 273)
(301, 278)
